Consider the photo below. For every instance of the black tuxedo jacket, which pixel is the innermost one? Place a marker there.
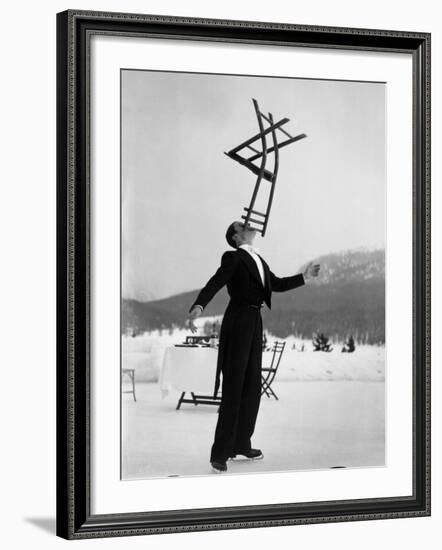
(239, 272)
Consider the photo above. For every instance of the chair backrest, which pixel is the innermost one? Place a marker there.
(277, 351)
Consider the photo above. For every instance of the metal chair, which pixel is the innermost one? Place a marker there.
(131, 374)
(260, 219)
(268, 373)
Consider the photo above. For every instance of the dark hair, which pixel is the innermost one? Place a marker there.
(229, 235)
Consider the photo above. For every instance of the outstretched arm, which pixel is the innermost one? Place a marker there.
(281, 284)
(216, 282)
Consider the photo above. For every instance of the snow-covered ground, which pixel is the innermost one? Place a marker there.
(145, 353)
(313, 425)
(330, 413)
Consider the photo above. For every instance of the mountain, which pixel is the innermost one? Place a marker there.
(348, 297)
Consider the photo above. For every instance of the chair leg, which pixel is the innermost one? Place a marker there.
(180, 400)
(268, 390)
(264, 387)
(133, 385)
(274, 394)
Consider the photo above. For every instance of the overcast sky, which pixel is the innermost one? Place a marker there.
(180, 192)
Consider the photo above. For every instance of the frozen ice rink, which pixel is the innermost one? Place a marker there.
(315, 424)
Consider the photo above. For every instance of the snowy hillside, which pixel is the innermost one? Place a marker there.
(347, 298)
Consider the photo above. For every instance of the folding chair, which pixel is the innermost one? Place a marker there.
(260, 219)
(268, 373)
(131, 374)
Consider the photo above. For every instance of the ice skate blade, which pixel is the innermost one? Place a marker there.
(243, 458)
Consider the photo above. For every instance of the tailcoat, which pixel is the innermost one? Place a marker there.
(240, 346)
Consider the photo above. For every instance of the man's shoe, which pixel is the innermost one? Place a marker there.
(251, 454)
(219, 466)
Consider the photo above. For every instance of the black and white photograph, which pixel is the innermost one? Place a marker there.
(253, 238)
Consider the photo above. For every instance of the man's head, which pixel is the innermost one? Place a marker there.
(238, 234)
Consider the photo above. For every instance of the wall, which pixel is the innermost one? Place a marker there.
(28, 275)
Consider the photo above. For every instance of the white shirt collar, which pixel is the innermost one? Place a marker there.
(249, 248)
(256, 258)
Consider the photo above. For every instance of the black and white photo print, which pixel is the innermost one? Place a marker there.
(253, 241)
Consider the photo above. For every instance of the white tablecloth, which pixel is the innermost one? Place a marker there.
(189, 370)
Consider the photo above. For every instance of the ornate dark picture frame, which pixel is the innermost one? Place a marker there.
(74, 518)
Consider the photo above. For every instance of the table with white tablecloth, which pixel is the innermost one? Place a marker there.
(188, 369)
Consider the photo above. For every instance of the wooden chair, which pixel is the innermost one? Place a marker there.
(268, 373)
(131, 374)
(253, 216)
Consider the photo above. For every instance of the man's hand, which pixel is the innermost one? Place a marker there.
(312, 270)
(196, 312)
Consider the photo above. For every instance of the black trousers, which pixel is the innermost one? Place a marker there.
(240, 353)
